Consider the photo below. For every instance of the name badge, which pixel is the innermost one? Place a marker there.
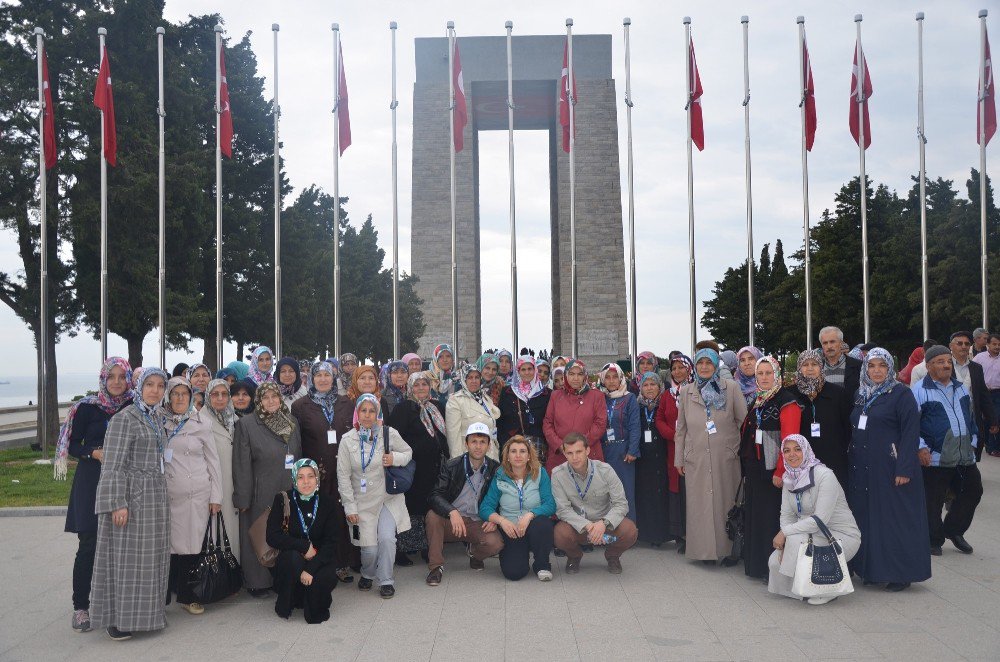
(863, 422)
(759, 437)
(331, 436)
(648, 436)
(168, 455)
(814, 429)
(710, 426)
(289, 461)
(364, 485)
(610, 434)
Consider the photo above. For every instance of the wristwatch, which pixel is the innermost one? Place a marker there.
(607, 524)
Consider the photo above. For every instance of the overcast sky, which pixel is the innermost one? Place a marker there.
(951, 42)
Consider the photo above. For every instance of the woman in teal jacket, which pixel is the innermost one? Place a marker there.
(520, 503)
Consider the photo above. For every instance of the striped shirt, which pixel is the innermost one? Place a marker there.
(834, 374)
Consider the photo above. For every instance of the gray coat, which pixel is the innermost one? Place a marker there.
(194, 480)
(259, 473)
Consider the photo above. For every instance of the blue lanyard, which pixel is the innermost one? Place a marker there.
(469, 473)
(798, 502)
(482, 403)
(590, 477)
(328, 417)
(650, 413)
(758, 412)
(302, 521)
(611, 416)
(364, 465)
(520, 494)
(176, 430)
(157, 430)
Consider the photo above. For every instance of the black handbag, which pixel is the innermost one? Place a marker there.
(826, 567)
(398, 479)
(217, 574)
(736, 525)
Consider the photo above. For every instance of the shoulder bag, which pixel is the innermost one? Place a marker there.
(218, 574)
(398, 479)
(735, 525)
(267, 555)
(821, 571)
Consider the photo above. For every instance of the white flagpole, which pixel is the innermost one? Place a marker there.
(807, 242)
(510, 169)
(218, 198)
(862, 102)
(336, 188)
(395, 205)
(277, 204)
(571, 100)
(101, 34)
(633, 341)
(451, 156)
(43, 248)
(692, 302)
(745, 20)
(982, 159)
(922, 142)
(161, 188)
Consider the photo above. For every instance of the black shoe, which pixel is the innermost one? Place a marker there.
(434, 576)
(559, 553)
(682, 547)
(476, 564)
(960, 544)
(587, 548)
(403, 559)
(936, 550)
(387, 591)
(655, 545)
(728, 562)
(572, 566)
(344, 576)
(258, 592)
(896, 587)
(365, 584)
(118, 635)
(711, 562)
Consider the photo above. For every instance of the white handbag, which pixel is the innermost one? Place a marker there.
(821, 571)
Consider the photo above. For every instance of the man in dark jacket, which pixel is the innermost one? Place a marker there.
(838, 367)
(454, 502)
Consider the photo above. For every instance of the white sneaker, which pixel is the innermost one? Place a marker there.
(544, 575)
(821, 601)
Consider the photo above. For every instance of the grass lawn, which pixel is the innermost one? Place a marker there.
(23, 483)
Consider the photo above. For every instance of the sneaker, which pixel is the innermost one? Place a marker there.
(615, 566)
(572, 566)
(434, 576)
(193, 608)
(386, 592)
(118, 635)
(544, 575)
(476, 564)
(81, 620)
(821, 601)
(365, 584)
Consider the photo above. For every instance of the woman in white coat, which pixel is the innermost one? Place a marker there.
(470, 405)
(810, 488)
(194, 488)
(374, 516)
(220, 412)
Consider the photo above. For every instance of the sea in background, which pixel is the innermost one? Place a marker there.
(21, 389)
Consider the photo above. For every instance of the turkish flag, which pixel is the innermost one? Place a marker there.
(343, 112)
(866, 92)
(694, 102)
(990, 102)
(48, 117)
(225, 114)
(461, 110)
(564, 98)
(809, 98)
(104, 100)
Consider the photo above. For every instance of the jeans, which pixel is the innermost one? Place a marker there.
(377, 560)
(83, 569)
(537, 541)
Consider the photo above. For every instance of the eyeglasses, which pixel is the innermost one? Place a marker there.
(962, 343)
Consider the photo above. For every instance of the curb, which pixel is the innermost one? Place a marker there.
(34, 511)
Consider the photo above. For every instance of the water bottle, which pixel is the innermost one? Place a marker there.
(608, 539)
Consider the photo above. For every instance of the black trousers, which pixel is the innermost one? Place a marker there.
(83, 569)
(537, 541)
(314, 600)
(181, 566)
(966, 484)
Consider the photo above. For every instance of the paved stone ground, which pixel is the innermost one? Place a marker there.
(663, 607)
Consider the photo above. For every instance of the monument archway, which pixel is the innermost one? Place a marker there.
(601, 299)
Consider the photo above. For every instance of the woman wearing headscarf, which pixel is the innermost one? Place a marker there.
(707, 442)
(916, 358)
(394, 385)
(505, 361)
(445, 379)
(809, 489)
(324, 418)
(289, 380)
(470, 405)
(420, 421)
(575, 408)
(413, 362)
(82, 436)
(220, 412)
(375, 515)
(199, 376)
(261, 362)
(659, 494)
(132, 560)
(681, 373)
(826, 413)
(243, 393)
(645, 362)
(620, 442)
(265, 446)
(522, 407)
(746, 376)
(194, 485)
(227, 376)
(544, 372)
(348, 365)
(240, 369)
(305, 572)
(492, 384)
(885, 484)
(558, 378)
(775, 414)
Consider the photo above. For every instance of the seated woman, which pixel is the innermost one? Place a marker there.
(519, 501)
(306, 570)
(809, 488)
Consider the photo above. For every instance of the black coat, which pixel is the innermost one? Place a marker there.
(832, 410)
(852, 376)
(89, 426)
(428, 452)
(322, 531)
(451, 482)
(514, 412)
(982, 405)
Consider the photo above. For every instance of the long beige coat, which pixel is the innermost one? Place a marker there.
(462, 411)
(369, 504)
(224, 448)
(711, 466)
(194, 480)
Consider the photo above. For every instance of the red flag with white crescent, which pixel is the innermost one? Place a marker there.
(104, 100)
(694, 99)
(989, 98)
(48, 117)
(564, 98)
(461, 110)
(809, 98)
(343, 111)
(866, 93)
(225, 114)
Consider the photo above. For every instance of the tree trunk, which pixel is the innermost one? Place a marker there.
(135, 351)
(239, 350)
(47, 429)
(209, 357)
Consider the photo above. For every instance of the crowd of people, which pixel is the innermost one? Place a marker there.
(335, 468)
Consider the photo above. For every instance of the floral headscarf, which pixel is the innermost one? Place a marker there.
(149, 411)
(363, 398)
(226, 417)
(288, 390)
(523, 390)
(166, 412)
(622, 384)
(280, 422)
(328, 398)
(108, 403)
(809, 386)
(463, 378)
(748, 383)
(255, 373)
(650, 404)
(430, 415)
(393, 394)
(443, 381)
(509, 355)
(869, 391)
(800, 478)
(711, 391)
(675, 387)
(764, 396)
(639, 376)
(354, 392)
(304, 462)
(575, 363)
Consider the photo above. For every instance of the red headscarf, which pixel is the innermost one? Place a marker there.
(916, 358)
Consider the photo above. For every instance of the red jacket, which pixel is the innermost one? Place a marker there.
(574, 413)
(666, 422)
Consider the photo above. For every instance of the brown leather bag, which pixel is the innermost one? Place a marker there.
(266, 554)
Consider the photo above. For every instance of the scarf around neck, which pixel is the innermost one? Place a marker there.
(809, 386)
(650, 403)
(711, 391)
(800, 478)
(226, 417)
(430, 415)
(327, 399)
(764, 396)
(280, 422)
